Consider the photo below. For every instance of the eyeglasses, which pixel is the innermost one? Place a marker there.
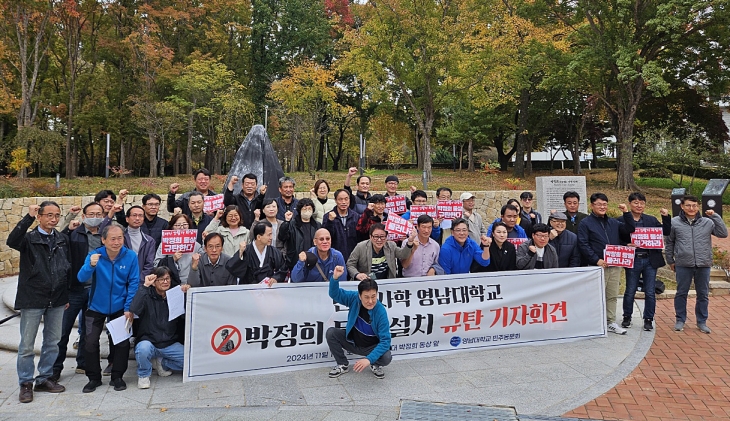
(51, 215)
(526, 199)
(153, 205)
(94, 215)
(181, 226)
(165, 279)
(461, 230)
(541, 235)
(695, 206)
(379, 237)
(214, 247)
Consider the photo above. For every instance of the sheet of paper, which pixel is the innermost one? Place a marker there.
(175, 302)
(120, 329)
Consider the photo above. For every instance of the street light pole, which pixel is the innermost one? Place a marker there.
(266, 117)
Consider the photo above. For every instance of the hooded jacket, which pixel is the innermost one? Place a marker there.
(455, 258)
(113, 283)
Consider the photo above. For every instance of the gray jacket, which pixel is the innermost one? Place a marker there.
(361, 258)
(527, 259)
(211, 275)
(690, 244)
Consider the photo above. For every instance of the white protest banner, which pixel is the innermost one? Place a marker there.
(418, 210)
(244, 329)
(449, 209)
(648, 238)
(178, 240)
(397, 227)
(620, 256)
(213, 203)
(395, 204)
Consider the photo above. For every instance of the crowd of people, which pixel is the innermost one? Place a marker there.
(109, 263)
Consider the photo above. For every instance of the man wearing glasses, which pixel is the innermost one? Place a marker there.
(689, 254)
(158, 345)
(376, 258)
(460, 251)
(209, 269)
(564, 241)
(537, 253)
(595, 232)
(42, 293)
(153, 224)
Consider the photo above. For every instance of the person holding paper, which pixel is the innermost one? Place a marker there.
(459, 250)
(595, 232)
(42, 294)
(342, 224)
(178, 263)
(376, 258)
(202, 186)
(227, 223)
(367, 331)
(419, 197)
(209, 269)
(158, 345)
(113, 270)
(424, 260)
(259, 261)
(646, 262)
(689, 254)
(537, 253)
(374, 214)
(315, 264)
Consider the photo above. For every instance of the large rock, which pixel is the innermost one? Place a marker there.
(257, 156)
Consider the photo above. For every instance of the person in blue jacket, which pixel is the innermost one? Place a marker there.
(113, 270)
(459, 251)
(323, 254)
(368, 328)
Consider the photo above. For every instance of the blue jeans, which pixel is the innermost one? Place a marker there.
(684, 277)
(642, 268)
(77, 302)
(172, 357)
(30, 320)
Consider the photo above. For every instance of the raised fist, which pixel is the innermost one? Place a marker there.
(533, 249)
(33, 210)
(339, 270)
(664, 212)
(73, 225)
(303, 256)
(263, 189)
(177, 255)
(149, 280)
(331, 215)
(242, 247)
(486, 241)
(122, 195)
(232, 182)
(195, 261)
(371, 206)
(553, 234)
(622, 207)
(352, 171)
(75, 209)
(94, 259)
(288, 215)
(709, 212)
(174, 187)
(257, 213)
(412, 235)
(219, 214)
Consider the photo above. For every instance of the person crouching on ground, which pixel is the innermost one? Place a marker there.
(368, 328)
(158, 345)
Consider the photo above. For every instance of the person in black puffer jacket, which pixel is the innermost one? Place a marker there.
(297, 231)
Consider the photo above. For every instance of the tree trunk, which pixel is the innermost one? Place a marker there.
(576, 144)
(122, 157)
(502, 157)
(521, 135)
(528, 150)
(471, 155)
(153, 154)
(189, 149)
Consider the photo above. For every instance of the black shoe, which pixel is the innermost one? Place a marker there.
(118, 384)
(55, 377)
(107, 371)
(49, 386)
(26, 392)
(648, 325)
(92, 385)
(626, 323)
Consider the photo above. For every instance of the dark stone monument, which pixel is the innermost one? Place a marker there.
(712, 196)
(257, 156)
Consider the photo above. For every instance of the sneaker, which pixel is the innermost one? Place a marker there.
(143, 383)
(626, 323)
(377, 371)
(648, 325)
(76, 343)
(91, 386)
(157, 365)
(26, 393)
(107, 371)
(703, 328)
(338, 370)
(118, 384)
(615, 328)
(679, 326)
(49, 386)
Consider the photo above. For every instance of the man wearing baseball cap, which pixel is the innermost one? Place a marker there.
(477, 230)
(564, 241)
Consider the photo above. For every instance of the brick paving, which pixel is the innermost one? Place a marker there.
(684, 376)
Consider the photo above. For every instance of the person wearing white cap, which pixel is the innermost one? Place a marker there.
(477, 230)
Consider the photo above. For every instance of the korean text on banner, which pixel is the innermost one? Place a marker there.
(418, 210)
(213, 203)
(517, 241)
(284, 328)
(178, 240)
(395, 204)
(397, 227)
(449, 209)
(621, 256)
(648, 238)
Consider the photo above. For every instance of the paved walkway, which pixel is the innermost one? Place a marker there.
(538, 381)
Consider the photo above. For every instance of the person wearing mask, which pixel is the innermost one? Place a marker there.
(424, 260)
(248, 201)
(502, 253)
(42, 294)
(178, 263)
(202, 186)
(374, 214)
(268, 213)
(322, 203)
(287, 202)
(113, 270)
(342, 224)
(361, 199)
(317, 263)
(227, 223)
(537, 253)
(510, 214)
(297, 231)
(571, 200)
(477, 231)
(209, 269)
(258, 262)
(564, 241)
(153, 224)
(376, 258)
(199, 219)
(459, 250)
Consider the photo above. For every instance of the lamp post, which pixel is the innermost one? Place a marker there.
(266, 117)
